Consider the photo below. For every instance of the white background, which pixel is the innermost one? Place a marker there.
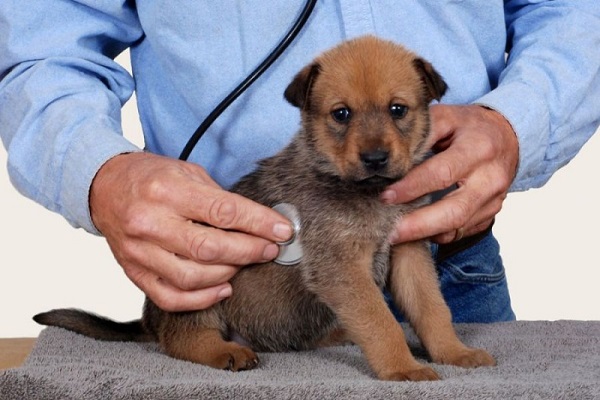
(548, 241)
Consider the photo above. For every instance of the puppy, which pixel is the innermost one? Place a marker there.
(364, 107)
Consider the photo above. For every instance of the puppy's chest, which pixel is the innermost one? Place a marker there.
(350, 231)
(366, 219)
(347, 229)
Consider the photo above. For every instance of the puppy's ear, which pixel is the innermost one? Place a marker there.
(434, 83)
(298, 92)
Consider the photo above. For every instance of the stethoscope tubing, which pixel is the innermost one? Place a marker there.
(249, 80)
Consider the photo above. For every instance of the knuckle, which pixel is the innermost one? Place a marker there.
(498, 190)
(486, 149)
(134, 273)
(128, 252)
(498, 183)
(156, 189)
(138, 222)
(223, 212)
(459, 213)
(203, 247)
(497, 206)
(503, 182)
(445, 238)
(445, 174)
(189, 279)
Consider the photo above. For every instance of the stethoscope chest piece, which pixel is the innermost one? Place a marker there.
(290, 252)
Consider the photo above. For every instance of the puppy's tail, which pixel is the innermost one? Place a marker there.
(95, 326)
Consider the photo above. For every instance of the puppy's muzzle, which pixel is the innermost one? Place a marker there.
(375, 161)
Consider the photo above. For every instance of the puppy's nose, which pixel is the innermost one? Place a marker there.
(375, 160)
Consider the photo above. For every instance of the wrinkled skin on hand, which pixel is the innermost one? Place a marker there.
(475, 149)
(177, 235)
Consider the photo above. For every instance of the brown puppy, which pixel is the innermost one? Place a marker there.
(365, 119)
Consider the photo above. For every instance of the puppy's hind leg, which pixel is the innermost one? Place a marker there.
(198, 337)
(414, 285)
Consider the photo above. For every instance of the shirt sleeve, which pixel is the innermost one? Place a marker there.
(550, 89)
(61, 95)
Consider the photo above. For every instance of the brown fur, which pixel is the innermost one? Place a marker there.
(335, 293)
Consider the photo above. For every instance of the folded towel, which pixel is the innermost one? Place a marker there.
(536, 360)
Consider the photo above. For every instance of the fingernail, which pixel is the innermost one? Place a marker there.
(389, 196)
(271, 251)
(282, 231)
(225, 292)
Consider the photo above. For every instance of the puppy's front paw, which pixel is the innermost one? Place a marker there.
(236, 359)
(468, 358)
(422, 373)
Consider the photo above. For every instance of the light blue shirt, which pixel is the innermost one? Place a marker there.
(61, 92)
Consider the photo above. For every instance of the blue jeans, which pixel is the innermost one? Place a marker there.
(474, 284)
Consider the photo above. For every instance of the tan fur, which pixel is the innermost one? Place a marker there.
(335, 293)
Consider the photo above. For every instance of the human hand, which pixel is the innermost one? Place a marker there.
(177, 235)
(476, 149)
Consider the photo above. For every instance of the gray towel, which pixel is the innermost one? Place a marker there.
(536, 360)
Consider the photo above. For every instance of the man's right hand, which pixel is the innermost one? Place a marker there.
(178, 235)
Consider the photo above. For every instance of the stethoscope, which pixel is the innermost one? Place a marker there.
(250, 79)
(290, 252)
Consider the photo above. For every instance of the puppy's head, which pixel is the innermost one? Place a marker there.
(364, 109)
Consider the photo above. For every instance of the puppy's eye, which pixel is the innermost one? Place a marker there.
(342, 115)
(398, 111)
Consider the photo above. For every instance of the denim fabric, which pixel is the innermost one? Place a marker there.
(474, 284)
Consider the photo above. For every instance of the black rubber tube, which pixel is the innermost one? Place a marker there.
(281, 47)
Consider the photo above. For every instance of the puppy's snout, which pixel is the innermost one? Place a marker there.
(375, 161)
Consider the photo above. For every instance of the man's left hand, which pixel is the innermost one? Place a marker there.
(476, 150)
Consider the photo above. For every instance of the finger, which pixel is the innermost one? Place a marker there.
(437, 173)
(170, 298)
(226, 210)
(440, 221)
(182, 273)
(187, 189)
(424, 223)
(209, 245)
(449, 237)
(231, 211)
(446, 215)
(480, 221)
